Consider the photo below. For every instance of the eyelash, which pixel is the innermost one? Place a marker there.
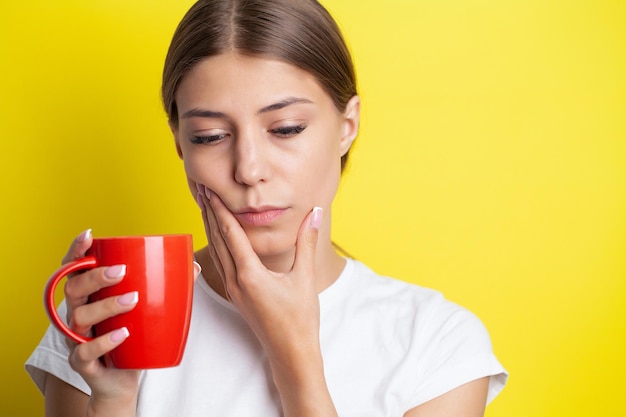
(283, 132)
(199, 140)
(288, 131)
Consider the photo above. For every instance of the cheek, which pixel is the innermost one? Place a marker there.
(319, 177)
(193, 168)
(200, 169)
(192, 178)
(324, 166)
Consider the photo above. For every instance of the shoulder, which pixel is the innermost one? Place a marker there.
(429, 344)
(418, 311)
(374, 289)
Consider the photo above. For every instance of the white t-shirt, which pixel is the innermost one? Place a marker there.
(387, 345)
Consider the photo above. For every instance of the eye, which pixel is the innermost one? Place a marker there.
(200, 140)
(288, 131)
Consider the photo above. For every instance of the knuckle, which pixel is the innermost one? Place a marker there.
(77, 319)
(76, 285)
(226, 230)
(215, 234)
(248, 282)
(73, 360)
(71, 289)
(81, 354)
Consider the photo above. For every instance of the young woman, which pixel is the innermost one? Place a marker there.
(262, 102)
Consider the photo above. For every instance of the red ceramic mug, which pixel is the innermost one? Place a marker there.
(160, 269)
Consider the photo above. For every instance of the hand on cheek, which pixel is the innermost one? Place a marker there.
(282, 309)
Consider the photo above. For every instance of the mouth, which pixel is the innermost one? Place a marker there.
(261, 216)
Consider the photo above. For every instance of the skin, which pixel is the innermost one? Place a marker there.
(261, 143)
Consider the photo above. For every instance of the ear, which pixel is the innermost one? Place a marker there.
(174, 130)
(351, 118)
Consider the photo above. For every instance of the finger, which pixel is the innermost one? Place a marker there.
(85, 358)
(78, 247)
(84, 317)
(216, 260)
(201, 200)
(306, 244)
(217, 246)
(232, 234)
(197, 269)
(80, 287)
(71, 344)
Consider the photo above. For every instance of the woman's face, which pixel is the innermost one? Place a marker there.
(267, 139)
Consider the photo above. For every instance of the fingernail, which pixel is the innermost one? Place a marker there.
(207, 192)
(84, 236)
(199, 188)
(115, 271)
(316, 217)
(128, 299)
(197, 270)
(119, 335)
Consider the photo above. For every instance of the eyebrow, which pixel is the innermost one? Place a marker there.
(203, 113)
(284, 103)
(210, 114)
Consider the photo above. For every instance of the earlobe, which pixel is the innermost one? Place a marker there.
(351, 118)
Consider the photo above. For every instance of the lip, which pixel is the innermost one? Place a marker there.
(261, 216)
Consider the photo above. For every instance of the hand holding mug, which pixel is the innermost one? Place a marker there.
(148, 279)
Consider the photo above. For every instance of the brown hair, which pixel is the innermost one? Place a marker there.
(299, 32)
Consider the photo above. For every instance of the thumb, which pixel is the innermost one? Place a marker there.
(307, 240)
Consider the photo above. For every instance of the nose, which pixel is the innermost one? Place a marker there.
(251, 164)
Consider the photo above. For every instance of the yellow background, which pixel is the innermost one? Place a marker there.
(491, 165)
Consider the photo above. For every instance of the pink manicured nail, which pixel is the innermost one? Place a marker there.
(119, 335)
(199, 188)
(115, 271)
(84, 236)
(207, 192)
(128, 299)
(316, 217)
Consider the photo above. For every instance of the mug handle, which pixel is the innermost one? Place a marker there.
(48, 296)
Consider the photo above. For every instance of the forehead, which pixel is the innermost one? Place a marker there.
(242, 81)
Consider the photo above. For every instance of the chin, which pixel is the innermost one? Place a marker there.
(272, 245)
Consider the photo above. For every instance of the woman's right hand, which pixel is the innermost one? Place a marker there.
(111, 388)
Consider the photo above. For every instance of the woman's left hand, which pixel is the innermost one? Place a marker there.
(281, 308)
